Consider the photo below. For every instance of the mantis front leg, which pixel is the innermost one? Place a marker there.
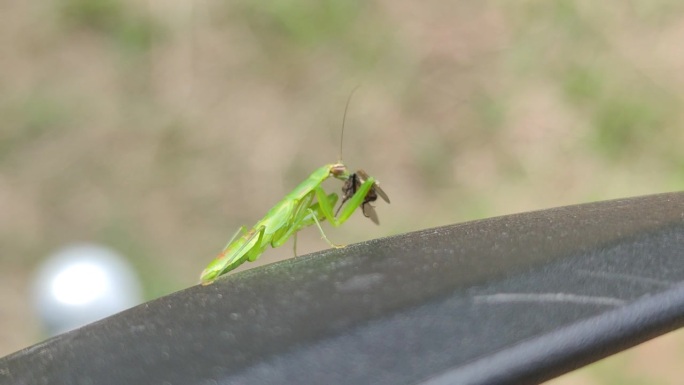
(352, 204)
(326, 203)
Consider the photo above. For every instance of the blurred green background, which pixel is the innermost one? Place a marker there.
(158, 128)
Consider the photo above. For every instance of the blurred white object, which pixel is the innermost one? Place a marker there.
(81, 284)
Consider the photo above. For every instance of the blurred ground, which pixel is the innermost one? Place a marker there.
(158, 128)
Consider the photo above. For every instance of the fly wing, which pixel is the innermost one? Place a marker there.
(369, 212)
(380, 192)
(376, 186)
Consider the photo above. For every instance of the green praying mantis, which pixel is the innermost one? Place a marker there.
(299, 210)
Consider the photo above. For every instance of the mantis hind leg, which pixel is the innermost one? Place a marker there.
(318, 211)
(240, 230)
(247, 248)
(306, 221)
(291, 227)
(318, 224)
(255, 251)
(306, 214)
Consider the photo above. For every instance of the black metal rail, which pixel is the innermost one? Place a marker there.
(514, 299)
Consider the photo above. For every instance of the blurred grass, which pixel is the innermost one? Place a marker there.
(158, 128)
(130, 28)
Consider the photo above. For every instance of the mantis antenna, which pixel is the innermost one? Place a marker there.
(344, 117)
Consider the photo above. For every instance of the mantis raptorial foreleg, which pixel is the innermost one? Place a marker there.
(352, 204)
(325, 210)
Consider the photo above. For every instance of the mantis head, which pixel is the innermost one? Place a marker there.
(339, 171)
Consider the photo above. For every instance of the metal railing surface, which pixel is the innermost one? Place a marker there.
(515, 299)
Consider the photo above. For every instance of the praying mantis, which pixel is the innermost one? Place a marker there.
(298, 210)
